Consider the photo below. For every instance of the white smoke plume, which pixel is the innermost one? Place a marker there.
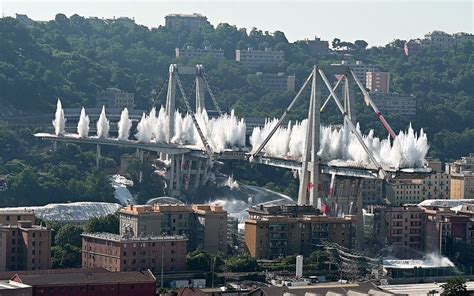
(124, 125)
(83, 124)
(408, 150)
(144, 133)
(59, 121)
(224, 132)
(103, 125)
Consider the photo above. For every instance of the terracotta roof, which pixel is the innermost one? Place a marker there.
(84, 277)
(190, 292)
(6, 275)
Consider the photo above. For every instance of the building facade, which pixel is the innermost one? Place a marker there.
(411, 231)
(115, 252)
(395, 104)
(462, 177)
(317, 46)
(436, 39)
(401, 228)
(190, 22)
(277, 232)
(413, 191)
(377, 81)
(114, 98)
(274, 82)
(204, 225)
(192, 53)
(88, 282)
(360, 69)
(23, 246)
(439, 39)
(252, 58)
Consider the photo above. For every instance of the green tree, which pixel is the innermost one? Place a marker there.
(109, 223)
(66, 256)
(455, 286)
(69, 234)
(241, 264)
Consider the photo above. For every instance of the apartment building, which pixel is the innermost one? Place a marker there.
(447, 221)
(401, 228)
(84, 282)
(271, 234)
(191, 53)
(316, 46)
(114, 98)
(191, 22)
(436, 39)
(131, 253)
(13, 217)
(396, 104)
(360, 69)
(204, 225)
(278, 82)
(24, 246)
(462, 177)
(413, 191)
(412, 230)
(252, 58)
(377, 81)
(210, 228)
(439, 39)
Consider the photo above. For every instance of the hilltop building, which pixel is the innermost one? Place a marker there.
(191, 22)
(274, 82)
(394, 103)
(24, 20)
(115, 252)
(377, 81)
(252, 58)
(192, 53)
(204, 225)
(23, 245)
(436, 39)
(360, 69)
(316, 46)
(115, 98)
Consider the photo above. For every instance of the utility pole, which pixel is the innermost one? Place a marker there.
(162, 268)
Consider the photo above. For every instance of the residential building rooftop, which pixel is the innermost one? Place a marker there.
(127, 238)
(85, 276)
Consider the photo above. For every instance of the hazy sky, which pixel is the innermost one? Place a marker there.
(377, 22)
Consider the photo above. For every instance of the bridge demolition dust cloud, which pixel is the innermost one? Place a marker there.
(227, 131)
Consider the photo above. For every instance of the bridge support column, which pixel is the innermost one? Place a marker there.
(171, 175)
(200, 89)
(97, 157)
(348, 98)
(171, 102)
(309, 175)
(197, 179)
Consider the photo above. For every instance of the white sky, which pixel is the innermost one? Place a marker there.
(377, 22)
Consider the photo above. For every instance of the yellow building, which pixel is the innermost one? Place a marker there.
(462, 178)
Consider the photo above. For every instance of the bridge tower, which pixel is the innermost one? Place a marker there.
(187, 172)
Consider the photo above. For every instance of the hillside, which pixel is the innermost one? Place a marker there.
(72, 58)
